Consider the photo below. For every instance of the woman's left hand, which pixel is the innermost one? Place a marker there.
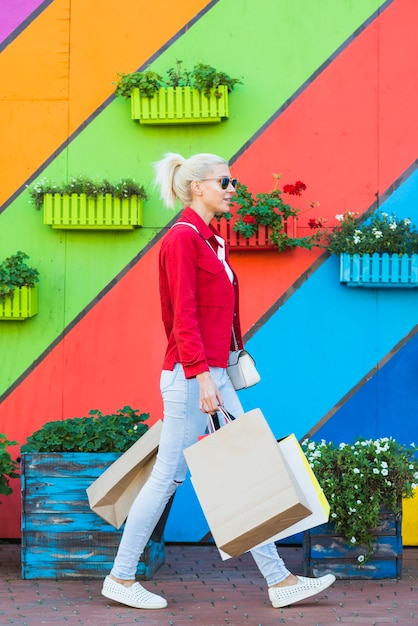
(210, 398)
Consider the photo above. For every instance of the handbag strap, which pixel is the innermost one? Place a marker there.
(222, 259)
(214, 423)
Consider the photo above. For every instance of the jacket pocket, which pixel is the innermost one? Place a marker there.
(213, 285)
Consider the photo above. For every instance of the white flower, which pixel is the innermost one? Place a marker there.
(377, 233)
(353, 540)
(360, 558)
(356, 239)
(358, 501)
(407, 221)
(384, 472)
(334, 515)
(356, 470)
(339, 217)
(375, 470)
(393, 226)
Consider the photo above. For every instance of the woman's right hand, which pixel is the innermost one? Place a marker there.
(210, 398)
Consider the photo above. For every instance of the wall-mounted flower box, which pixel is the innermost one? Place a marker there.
(236, 241)
(101, 212)
(180, 105)
(22, 304)
(61, 536)
(379, 270)
(327, 552)
(259, 241)
(196, 96)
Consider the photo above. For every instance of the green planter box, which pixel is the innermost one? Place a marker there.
(379, 270)
(21, 305)
(61, 536)
(104, 212)
(180, 105)
(326, 552)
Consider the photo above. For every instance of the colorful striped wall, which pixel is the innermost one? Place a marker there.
(327, 98)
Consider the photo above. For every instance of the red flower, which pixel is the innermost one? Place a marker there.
(296, 189)
(315, 223)
(289, 189)
(249, 219)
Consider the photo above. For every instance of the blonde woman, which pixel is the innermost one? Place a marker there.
(200, 312)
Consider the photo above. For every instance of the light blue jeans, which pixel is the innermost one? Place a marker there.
(183, 424)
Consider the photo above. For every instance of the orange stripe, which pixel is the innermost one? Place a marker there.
(44, 100)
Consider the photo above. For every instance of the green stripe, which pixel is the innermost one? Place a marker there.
(275, 46)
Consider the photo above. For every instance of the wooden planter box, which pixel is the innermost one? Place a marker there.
(325, 552)
(103, 212)
(180, 105)
(259, 241)
(379, 270)
(21, 305)
(61, 536)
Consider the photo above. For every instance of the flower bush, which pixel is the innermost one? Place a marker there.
(8, 467)
(202, 77)
(124, 188)
(360, 478)
(270, 209)
(98, 433)
(381, 233)
(14, 272)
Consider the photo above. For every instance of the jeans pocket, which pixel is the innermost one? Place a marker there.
(169, 377)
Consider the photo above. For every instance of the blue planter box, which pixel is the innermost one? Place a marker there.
(61, 536)
(325, 552)
(379, 270)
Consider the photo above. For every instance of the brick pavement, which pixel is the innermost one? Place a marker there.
(203, 589)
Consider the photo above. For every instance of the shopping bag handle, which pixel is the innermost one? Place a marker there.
(214, 418)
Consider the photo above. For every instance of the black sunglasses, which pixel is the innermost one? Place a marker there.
(225, 181)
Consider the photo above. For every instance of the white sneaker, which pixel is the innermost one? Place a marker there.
(135, 596)
(304, 588)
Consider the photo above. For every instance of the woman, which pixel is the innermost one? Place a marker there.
(199, 302)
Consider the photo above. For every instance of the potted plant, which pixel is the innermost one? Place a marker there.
(196, 96)
(379, 251)
(61, 536)
(364, 483)
(266, 221)
(18, 294)
(8, 467)
(86, 203)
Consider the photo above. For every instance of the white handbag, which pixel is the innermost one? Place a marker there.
(242, 370)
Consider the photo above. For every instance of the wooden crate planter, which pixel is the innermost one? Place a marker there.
(61, 536)
(104, 212)
(325, 552)
(259, 241)
(21, 305)
(379, 270)
(180, 105)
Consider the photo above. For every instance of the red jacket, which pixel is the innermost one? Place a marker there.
(199, 303)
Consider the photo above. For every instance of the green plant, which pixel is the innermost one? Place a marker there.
(202, 77)
(8, 467)
(380, 233)
(14, 272)
(360, 478)
(98, 433)
(124, 188)
(269, 209)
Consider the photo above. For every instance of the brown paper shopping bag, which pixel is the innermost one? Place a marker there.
(113, 492)
(246, 491)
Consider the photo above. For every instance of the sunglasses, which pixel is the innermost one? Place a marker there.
(225, 181)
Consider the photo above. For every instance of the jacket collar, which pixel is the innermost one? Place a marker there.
(207, 232)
